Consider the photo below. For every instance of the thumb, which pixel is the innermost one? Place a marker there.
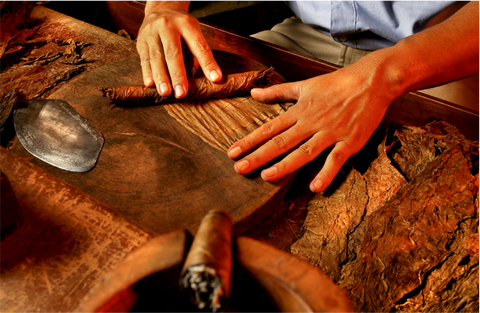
(280, 92)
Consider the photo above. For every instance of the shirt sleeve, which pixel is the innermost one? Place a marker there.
(371, 25)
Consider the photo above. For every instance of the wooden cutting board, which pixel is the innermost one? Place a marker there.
(166, 166)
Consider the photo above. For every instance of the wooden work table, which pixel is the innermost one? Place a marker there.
(72, 229)
(66, 231)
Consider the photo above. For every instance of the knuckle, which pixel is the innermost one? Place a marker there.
(156, 54)
(338, 156)
(189, 21)
(200, 47)
(247, 143)
(255, 158)
(172, 52)
(162, 22)
(158, 76)
(266, 128)
(140, 44)
(306, 149)
(279, 141)
(145, 61)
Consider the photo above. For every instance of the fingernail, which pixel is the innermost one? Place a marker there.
(163, 88)
(179, 91)
(318, 184)
(235, 152)
(269, 172)
(214, 75)
(243, 165)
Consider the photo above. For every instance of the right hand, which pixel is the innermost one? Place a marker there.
(165, 27)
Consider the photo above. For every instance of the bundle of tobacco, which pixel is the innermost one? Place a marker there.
(403, 235)
(199, 88)
(207, 271)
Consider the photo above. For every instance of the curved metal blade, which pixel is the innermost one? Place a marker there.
(53, 131)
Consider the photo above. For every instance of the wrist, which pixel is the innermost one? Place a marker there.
(167, 5)
(399, 69)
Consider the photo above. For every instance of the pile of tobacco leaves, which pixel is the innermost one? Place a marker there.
(402, 235)
(33, 58)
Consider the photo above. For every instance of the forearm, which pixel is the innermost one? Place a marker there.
(438, 55)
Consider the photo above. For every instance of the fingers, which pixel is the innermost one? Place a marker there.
(159, 45)
(298, 156)
(302, 155)
(198, 46)
(280, 92)
(335, 160)
(153, 62)
(173, 54)
(298, 152)
(144, 54)
(329, 113)
(260, 136)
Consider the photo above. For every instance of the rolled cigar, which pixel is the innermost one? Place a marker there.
(199, 88)
(206, 274)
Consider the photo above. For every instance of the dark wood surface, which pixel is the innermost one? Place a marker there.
(64, 245)
(70, 232)
(152, 168)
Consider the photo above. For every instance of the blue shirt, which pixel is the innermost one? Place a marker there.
(369, 25)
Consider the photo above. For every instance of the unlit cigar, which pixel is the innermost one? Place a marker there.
(199, 88)
(207, 271)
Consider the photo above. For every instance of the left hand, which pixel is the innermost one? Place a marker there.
(340, 110)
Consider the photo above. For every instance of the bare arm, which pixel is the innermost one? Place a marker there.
(165, 28)
(341, 110)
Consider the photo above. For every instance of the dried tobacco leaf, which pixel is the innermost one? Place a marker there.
(416, 152)
(7, 103)
(13, 23)
(413, 234)
(43, 64)
(447, 136)
(420, 145)
(416, 247)
(328, 246)
(221, 122)
(330, 220)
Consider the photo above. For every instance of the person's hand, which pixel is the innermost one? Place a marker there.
(166, 27)
(340, 110)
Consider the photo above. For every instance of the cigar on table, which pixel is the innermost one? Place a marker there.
(199, 88)
(206, 275)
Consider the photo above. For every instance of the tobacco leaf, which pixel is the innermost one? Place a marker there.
(32, 53)
(45, 61)
(6, 106)
(447, 136)
(415, 248)
(420, 145)
(416, 152)
(413, 234)
(330, 247)
(221, 122)
(13, 23)
(331, 218)
(453, 285)
(219, 113)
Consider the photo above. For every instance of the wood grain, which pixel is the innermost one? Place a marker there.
(264, 279)
(166, 172)
(66, 243)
